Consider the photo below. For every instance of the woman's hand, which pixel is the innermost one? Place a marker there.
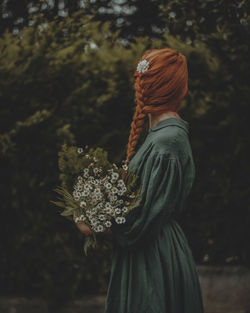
(84, 228)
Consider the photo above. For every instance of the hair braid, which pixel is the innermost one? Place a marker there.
(159, 88)
(137, 122)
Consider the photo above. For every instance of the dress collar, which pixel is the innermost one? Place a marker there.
(171, 121)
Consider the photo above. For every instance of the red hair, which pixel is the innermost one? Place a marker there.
(159, 89)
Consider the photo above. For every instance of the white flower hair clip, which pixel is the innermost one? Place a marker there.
(143, 66)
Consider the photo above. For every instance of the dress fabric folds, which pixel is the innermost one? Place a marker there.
(153, 269)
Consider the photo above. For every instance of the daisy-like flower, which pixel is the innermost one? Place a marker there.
(82, 204)
(112, 213)
(118, 210)
(107, 223)
(115, 175)
(97, 191)
(142, 66)
(85, 193)
(95, 170)
(114, 190)
(80, 150)
(125, 167)
(108, 185)
(89, 213)
(102, 217)
(125, 209)
(87, 186)
(120, 219)
(120, 183)
(108, 205)
(93, 221)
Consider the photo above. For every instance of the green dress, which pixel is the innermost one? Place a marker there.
(153, 269)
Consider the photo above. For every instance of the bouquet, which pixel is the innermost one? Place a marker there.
(92, 190)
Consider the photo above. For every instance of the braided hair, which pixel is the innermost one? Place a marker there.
(159, 89)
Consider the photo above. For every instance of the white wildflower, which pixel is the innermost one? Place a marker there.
(82, 204)
(102, 217)
(115, 175)
(108, 224)
(97, 191)
(143, 66)
(118, 211)
(125, 167)
(120, 183)
(114, 190)
(80, 150)
(85, 193)
(108, 185)
(125, 209)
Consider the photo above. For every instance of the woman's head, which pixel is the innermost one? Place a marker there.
(159, 88)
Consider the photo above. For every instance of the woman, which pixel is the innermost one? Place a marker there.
(153, 269)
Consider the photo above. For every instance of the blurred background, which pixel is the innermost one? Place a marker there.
(66, 76)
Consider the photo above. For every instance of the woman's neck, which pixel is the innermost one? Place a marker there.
(155, 118)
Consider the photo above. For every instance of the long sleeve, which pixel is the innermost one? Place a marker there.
(161, 179)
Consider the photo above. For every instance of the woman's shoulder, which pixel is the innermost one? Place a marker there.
(171, 142)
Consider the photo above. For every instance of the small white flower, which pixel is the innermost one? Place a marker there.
(143, 66)
(77, 219)
(102, 217)
(125, 167)
(107, 223)
(108, 185)
(93, 221)
(125, 209)
(80, 150)
(82, 204)
(114, 190)
(118, 211)
(108, 205)
(85, 193)
(115, 175)
(97, 191)
(88, 213)
(120, 183)
(95, 159)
